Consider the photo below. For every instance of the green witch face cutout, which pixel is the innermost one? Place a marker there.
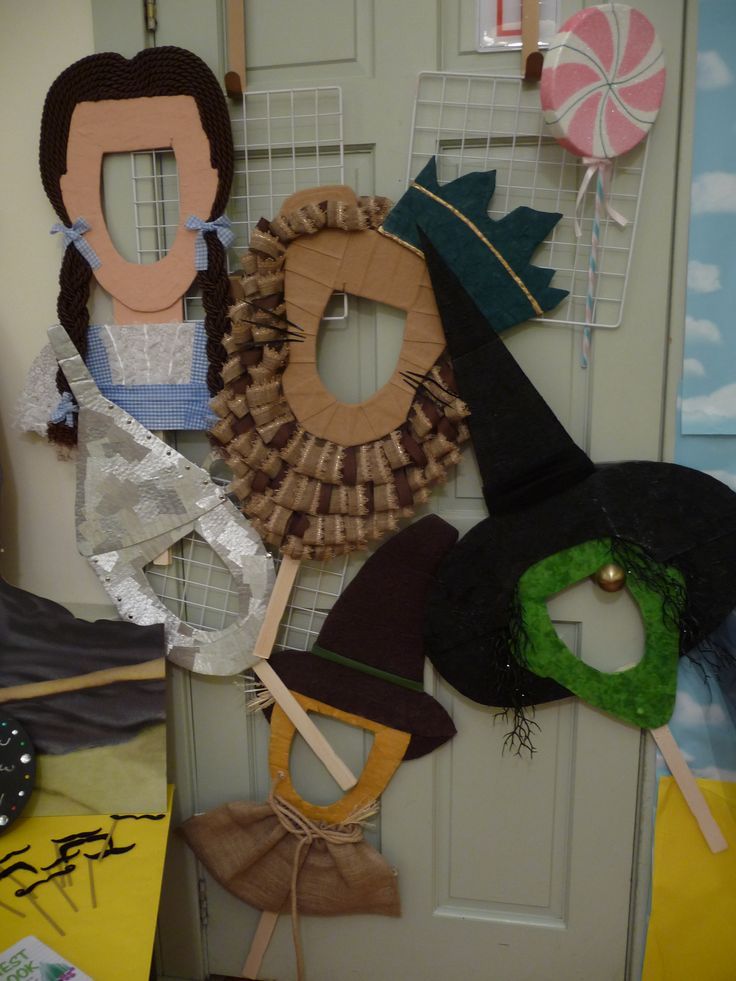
(644, 694)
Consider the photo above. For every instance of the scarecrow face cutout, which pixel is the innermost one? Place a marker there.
(387, 752)
(128, 125)
(366, 670)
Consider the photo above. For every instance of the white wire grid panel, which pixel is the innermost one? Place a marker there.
(155, 184)
(198, 587)
(285, 140)
(483, 122)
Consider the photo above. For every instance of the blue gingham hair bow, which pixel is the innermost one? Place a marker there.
(220, 225)
(64, 411)
(74, 235)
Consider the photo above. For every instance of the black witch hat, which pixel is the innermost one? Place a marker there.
(369, 656)
(673, 529)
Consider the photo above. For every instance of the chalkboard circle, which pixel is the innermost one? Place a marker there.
(17, 770)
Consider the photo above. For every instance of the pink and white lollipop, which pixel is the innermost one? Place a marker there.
(603, 81)
(601, 89)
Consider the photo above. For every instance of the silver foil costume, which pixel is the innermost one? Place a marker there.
(136, 497)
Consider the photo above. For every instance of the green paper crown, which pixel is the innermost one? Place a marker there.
(490, 258)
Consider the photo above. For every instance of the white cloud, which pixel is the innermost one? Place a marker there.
(714, 193)
(716, 407)
(688, 711)
(702, 330)
(712, 71)
(703, 277)
(715, 773)
(693, 368)
(727, 477)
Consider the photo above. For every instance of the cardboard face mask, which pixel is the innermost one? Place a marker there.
(319, 477)
(162, 99)
(644, 694)
(128, 125)
(553, 516)
(136, 497)
(365, 670)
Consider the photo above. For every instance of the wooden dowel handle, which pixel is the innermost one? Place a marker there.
(276, 605)
(144, 671)
(339, 771)
(689, 788)
(259, 946)
(235, 77)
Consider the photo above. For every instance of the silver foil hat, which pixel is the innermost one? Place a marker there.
(136, 497)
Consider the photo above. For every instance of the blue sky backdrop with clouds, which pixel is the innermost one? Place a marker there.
(709, 370)
(704, 720)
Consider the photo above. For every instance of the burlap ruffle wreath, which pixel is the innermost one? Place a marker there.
(317, 477)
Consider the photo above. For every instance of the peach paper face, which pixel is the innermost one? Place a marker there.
(127, 125)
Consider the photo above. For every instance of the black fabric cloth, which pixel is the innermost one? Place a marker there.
(41, 640)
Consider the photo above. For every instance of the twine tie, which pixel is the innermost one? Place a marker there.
(308, 831)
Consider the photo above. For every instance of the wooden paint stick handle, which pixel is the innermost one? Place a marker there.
(276, 605)
(339, 771)
(259, 946)
(531, 56)
(689, 788)
(235, 77)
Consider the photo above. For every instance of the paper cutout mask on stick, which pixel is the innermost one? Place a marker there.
(365, 669)
(555, 518)
(316, 476)
(136, 497)
(162, 98)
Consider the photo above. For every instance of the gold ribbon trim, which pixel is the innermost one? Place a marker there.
(489, 245)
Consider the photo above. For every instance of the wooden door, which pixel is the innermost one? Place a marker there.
(509, 868)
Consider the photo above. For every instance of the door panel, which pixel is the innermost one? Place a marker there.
(509, 868)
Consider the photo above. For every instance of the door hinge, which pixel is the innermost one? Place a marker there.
(202, 897)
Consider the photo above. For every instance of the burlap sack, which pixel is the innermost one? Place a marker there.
(247, 849)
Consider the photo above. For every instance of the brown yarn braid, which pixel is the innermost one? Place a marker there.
(152, 72)
(71, 308)
(215, 286)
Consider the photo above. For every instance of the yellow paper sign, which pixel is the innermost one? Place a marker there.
(691, 928)
(112, 940)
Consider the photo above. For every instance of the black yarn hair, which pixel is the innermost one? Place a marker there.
(153, 72)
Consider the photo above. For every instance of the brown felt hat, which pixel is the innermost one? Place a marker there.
(369, 656)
